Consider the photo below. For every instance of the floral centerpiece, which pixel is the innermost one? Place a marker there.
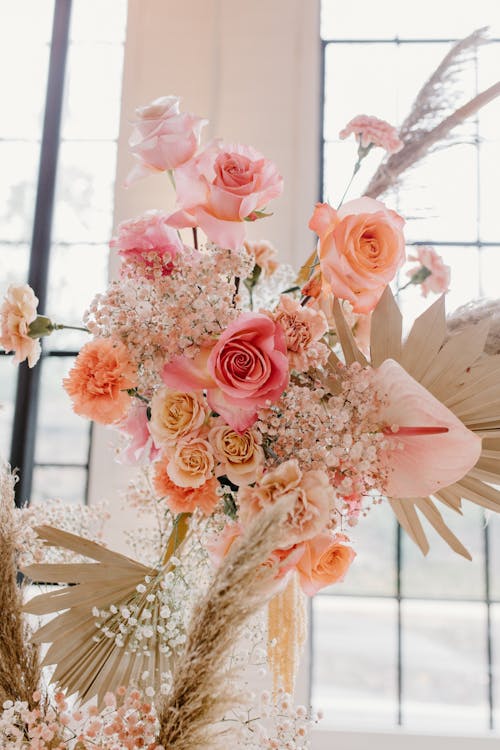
(268, 415)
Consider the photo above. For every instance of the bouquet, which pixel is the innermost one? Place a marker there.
(269, 412)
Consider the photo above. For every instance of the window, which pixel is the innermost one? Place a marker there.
(91, 35)
(407, 640)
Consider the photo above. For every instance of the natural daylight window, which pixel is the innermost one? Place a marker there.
(83, 207)
(405, 640)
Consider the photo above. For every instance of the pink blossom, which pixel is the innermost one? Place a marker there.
(372, 131)
(246, 368)
(140, 445)
(303, 328)
(221, 188)
(17, 312)
(163, 138)
(431, 273)
(148, 241)
(428, 447)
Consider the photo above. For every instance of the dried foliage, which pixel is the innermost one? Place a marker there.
(475, 312)
(202, 691)
(19, 663)
(433, 115)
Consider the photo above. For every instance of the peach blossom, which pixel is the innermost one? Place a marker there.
(17, 312)
(99, 379)
(438, 275)
(221, 188)
(245, 369)
(429, 448)
(265, 255)
(239, 454)
(184, 499)
(309, 494)
(325, 561)
(303, 328)
(163, 138)
(361, 247)
(191, 463)
(175, 415)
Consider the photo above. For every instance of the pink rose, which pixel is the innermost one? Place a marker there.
(325, 561)
(361, 247)
(221, 188)
(17, 312)
(246, 368)
(147, 242)
(163, 138)
(428, 447)
(431, 273)
(140, 444)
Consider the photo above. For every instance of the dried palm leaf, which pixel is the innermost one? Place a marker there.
(433, 115)
(94, 641)
(456, 371)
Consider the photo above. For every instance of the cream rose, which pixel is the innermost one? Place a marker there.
(17, 312)
(239, 454)
(192, 463)
(175, 415)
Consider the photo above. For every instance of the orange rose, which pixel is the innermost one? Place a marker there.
(99, 379)
(361, 247)
(325, 561)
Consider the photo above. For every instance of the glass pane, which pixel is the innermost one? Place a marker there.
(444, 666)
(62, 436)
(373, 570)
(22, 94)
(490, 271)
(62, 483)
(8, 379)
(84, 196)
(495, 627)
(93, 111)
(354, 678)
(17, 189)
(112, 20)
(489, 116)
(494, 532)
(388, 18)
(340, 158)
(443, 573)
(13, 265)
(68, 301)
(28, 20)
(490, 219)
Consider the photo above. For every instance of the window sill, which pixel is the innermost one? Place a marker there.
(328, 739)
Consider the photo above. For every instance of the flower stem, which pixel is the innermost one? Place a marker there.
(61, 326)
(354, 173)
(195, 237)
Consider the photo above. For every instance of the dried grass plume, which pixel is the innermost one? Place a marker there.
(19, 662)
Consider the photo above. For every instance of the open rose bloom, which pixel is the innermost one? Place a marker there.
(269, 412)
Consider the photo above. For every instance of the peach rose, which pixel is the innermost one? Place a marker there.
(303, 328)
(192, 462)
(239, 454)
(99, 379)
(361, 247)
(221, 188)
(17, 312)
(184, 499)
(163, 138)
(245, 369)
(175, 415)
(325, 561)
(309, 494)
(265, 256)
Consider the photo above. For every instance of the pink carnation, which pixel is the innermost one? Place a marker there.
(370, 131)
(148, 241)
(303, 328)
(221, 188)
(163, 138)
(434, 273)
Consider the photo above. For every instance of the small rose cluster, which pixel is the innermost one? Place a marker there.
(126, 721)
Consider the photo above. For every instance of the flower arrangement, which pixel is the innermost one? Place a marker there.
(266, 421)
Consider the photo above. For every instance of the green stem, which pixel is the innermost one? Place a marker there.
(354, 173)
(61, 326)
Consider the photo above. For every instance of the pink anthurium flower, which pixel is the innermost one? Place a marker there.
(429, 447)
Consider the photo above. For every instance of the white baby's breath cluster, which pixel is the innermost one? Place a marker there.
(82, 520)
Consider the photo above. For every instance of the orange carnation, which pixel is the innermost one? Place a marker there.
(99, 379)
(184, 499)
